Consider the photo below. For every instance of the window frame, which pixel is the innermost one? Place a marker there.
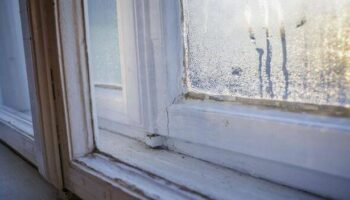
(135, 122)
(211, 126)
(78, 106)
(41, 148)
(130, 112)
(160, 58)
(17, 128)
(10, 116)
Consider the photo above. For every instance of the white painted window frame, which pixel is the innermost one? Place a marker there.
(77, 119)
(202, 129)
(41, 148)
(128, 113)
(294, 149)
(132, 117)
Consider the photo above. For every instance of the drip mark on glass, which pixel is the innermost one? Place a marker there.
(284, 62)
(269, 88)
(261, 53)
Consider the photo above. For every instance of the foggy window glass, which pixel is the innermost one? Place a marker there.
(297, 50)
(104, 41)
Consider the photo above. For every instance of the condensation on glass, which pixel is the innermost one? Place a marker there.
(104, 42)
(297, 51)
(14, 91)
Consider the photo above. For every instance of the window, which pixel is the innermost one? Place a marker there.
(205, 78)
(112, 64)
(14, 95)
(288, 51)
(244, 59)
(104, 41)
(16, 121)
(105, 57)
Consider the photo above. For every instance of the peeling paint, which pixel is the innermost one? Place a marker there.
(326, 110)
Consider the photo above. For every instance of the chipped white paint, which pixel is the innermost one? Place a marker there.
(154, 141)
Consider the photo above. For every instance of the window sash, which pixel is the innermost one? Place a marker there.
(124, 107)
(291, 141)
(13, 72)
(189, 125)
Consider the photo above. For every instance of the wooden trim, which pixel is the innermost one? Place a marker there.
(44, 54)
(159, 58)
(91, 185)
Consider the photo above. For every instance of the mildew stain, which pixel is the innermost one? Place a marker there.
(301, 23)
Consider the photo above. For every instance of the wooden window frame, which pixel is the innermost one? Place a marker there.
(258, 140)
(187, 126)
(37, 139)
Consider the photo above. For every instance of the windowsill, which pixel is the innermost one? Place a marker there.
(169, 175)
(16, 130)
(19, 121)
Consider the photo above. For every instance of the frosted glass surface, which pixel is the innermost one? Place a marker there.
(104, 41)
(296, 50)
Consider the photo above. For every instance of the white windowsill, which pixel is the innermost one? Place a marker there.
(19, 121)
(16, 130)
(169, 175)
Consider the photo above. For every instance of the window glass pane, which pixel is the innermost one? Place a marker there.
(104, 41)
(13, 74)
(296, 50)
(104, 58)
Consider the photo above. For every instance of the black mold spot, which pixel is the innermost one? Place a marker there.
(236, 71)
(301, 23)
